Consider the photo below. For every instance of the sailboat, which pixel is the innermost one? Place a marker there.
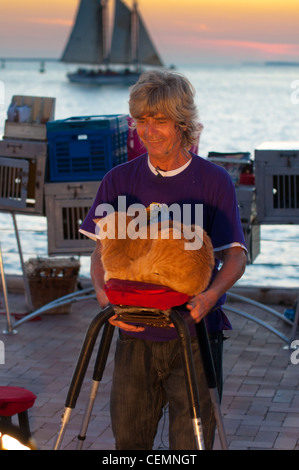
(130, 47)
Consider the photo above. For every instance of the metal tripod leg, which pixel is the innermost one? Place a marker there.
(209, 369)
(190, 376)
(80, 370)
(97, 377)
(10, 329)
(25, 279)
(188, 364)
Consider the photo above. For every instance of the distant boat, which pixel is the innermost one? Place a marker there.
(131, 46)
(282, 64)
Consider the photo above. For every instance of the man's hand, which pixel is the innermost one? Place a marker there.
(102, 298)
(125, 326)
(104, 301)
(200, 305)
(234, 262)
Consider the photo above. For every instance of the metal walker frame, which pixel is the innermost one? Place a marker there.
(189, 371)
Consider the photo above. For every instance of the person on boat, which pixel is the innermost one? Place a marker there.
(148, 372)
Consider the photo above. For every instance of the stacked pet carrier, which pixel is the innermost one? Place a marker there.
(81, 151)
(240, 168)
(54, 168)
(277, 182)
(23, 154)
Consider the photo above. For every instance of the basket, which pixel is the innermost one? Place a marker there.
(50, 279)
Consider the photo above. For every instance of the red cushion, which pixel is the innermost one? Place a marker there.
(142, 294)
(14, 400)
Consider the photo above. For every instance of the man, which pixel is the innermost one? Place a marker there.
(148, 371)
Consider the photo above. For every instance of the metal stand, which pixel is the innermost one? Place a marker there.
(25, 280)
(189, 371)
(294, 324)
(10, 329)
(208, 364)
(67, 299)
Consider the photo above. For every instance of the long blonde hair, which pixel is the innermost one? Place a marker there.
(168, 93)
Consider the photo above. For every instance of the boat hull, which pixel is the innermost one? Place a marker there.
(102, 78)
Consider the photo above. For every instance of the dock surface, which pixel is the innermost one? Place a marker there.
(260, 402)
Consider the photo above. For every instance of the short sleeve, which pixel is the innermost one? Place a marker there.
(225, 225)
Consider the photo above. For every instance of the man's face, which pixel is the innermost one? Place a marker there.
(159, 134)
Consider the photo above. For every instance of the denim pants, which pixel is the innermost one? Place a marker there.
(147, 376)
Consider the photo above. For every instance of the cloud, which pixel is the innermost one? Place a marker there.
(186, 27)
(50, 21)
(268, 48)
(286, 49)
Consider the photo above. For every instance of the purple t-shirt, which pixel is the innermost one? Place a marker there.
(202, 182)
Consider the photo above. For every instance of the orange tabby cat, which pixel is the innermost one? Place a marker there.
(160, 261)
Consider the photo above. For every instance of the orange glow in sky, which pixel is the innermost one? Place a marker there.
(188, 31)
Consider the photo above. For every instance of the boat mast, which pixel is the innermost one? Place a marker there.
(135, 35)
(105, 35)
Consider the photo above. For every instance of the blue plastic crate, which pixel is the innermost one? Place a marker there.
(85, 148)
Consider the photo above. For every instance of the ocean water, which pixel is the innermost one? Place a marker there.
(239, 106)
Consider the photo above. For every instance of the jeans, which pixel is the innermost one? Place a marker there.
(149, 374)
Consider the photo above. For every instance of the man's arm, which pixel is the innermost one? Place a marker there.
(97, 276)
(233, 267)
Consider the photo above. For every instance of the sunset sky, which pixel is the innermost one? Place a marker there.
(184, 31)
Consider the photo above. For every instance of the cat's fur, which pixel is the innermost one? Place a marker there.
(158, 261)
